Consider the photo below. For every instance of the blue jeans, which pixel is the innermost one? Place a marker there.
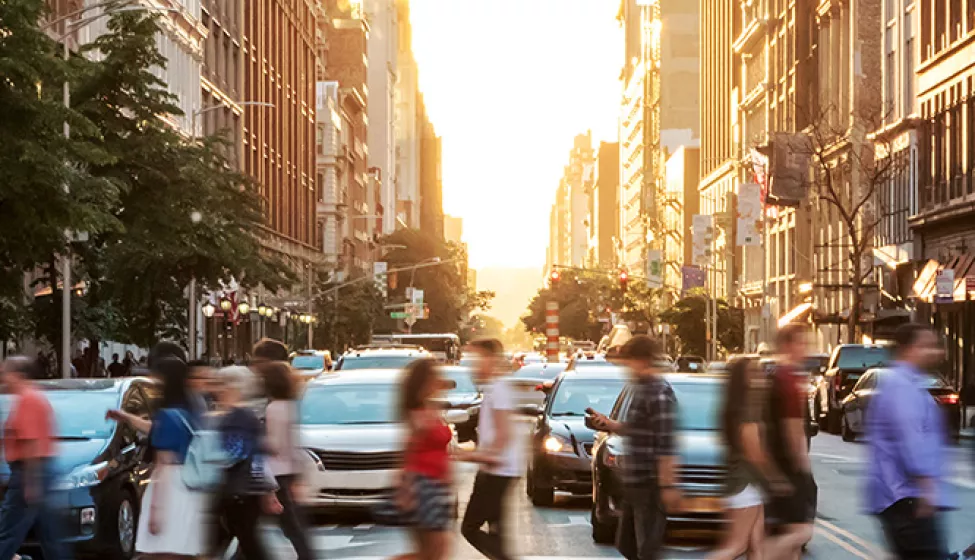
(17, 517)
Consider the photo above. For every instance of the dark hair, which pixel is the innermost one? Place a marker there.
(736, 398)
(279, 380)
(418, 376)
(906, 336)
(270, 350)
(789, 333)
(642, 348)
(115, 356)
(175, 375)
(163, 350)
(490, 346)
(26, 367)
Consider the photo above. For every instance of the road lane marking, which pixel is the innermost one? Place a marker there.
(964, 483)
(845, 545)
(836, 457)
(574, 521)
(867, 546)
(363, 527)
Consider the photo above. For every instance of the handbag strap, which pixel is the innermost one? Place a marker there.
(186, 423)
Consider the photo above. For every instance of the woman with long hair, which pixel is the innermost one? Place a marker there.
(748, 468)
(173, 518)
(424, 493)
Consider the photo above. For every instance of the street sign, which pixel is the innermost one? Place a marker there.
(945, 286)
(417, 297)
(398, 315)
(379, 268)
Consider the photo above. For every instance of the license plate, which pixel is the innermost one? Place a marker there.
(702, 505)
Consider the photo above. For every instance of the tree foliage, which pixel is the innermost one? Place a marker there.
(687, 319)
(347, 316)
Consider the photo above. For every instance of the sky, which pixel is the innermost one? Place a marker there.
(508, 84)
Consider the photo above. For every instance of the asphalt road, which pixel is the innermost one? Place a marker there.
(563, 532)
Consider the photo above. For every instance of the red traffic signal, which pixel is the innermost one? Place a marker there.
(624, 278)
(554, 277)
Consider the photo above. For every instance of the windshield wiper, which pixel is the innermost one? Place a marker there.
(72, 438)
(567, 414)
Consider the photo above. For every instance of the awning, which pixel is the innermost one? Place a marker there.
(797, 313)
(45, 290)
(925, 285)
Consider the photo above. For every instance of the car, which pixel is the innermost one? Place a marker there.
(716, 367)
(561, 444)
(846, 364)
(595, 360)
(309, 364)
(854, 405)
(465, 395)
(532, 381)
(380, 357)
(691, 364)
(350, 429)
(702, 470)
(102, 466)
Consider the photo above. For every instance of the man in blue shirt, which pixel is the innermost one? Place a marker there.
(907, 448)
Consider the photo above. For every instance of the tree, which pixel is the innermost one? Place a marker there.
(348, 315)
(446, 290)
(687, 317)
(484, 326)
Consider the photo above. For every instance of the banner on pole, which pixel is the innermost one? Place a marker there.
(702, 236)
(655, 268)
(749, 220)
(691, 277)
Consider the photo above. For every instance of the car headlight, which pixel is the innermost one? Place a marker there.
(556, 444)
(84, 476)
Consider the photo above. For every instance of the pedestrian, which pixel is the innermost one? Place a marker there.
(116, 369)
(649, 470)
(284, 452)
(500, 454)
(792, 506)
(269, 350)
(907, 449)
(248, 490)
(28, 448)
(128, 363)
(424, 491)
(748, 465)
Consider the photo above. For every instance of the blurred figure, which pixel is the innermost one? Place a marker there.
(907, 450)
(201, 379)
(28, 445)
(269, 350)
(424, 493)
(128, 363)
(116, 369)
(172, 523)
(748, 467)
(499, 452)
(283, 451)
(791, 506)
(650, 466)
(248, 489)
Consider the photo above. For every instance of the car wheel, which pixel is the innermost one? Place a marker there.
(541, 496)
(125, 527)
(602, 533)
(845, 431)
(833, 420)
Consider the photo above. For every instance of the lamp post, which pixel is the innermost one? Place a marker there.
(73, 26)
(208, 310)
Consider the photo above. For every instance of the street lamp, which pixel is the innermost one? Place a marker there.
(208, 309)
(244, 308)
(261, 309)
(225, 304)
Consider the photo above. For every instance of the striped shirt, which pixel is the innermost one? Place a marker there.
(648, 427)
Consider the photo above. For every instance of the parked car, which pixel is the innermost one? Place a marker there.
(846, 364)
(352, 434)
(855, 404)
(103, 467)
(561, 444)
(309, 364)
(464, 396)
(532, 382)
(690, 364)
(380, 357)
(702, 468)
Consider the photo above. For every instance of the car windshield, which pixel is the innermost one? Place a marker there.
(81, 414)
(697, 405)
(462, 377)
(369, 403)
(308, 362)
(375, 362)
(862, 357)
(537, 372)
(574, 396)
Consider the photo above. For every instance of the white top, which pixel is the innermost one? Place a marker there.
(497, 396)
(282, 437)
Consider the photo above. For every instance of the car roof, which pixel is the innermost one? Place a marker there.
(387, 351)
(596, 372)
(357, 377)
(117, 384)
(311, 352)
(694, 378)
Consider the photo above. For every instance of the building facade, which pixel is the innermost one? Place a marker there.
(408, 126)
(431, 176)
(605, 214)
(679, 203)
(383, 51)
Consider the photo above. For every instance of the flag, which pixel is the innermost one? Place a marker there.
(691, 277)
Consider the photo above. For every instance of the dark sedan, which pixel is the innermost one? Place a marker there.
(103, 467)
(561, 444)
(855, 404)
(702, 469)
(464, 396)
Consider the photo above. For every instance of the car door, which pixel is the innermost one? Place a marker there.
(859, 398)
(141, 401)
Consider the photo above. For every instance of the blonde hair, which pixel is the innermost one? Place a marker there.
(240, 378)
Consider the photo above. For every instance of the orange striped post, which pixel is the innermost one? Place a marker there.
(552, 331)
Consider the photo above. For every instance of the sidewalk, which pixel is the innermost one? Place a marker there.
(967, 433)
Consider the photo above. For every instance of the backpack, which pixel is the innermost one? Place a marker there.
(206, 461)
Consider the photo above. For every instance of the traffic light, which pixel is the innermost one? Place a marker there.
(553, 278)
(624, 278)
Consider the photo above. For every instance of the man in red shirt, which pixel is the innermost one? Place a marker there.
(28, 446)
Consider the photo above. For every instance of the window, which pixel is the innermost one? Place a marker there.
(940, 25)
(907, 106)
(890, 74)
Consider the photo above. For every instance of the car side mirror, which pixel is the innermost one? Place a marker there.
(455, 416)
(529, 409)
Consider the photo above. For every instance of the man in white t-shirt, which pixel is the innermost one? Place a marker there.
(499, 453)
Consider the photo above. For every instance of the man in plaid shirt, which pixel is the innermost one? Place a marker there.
(649, 467)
